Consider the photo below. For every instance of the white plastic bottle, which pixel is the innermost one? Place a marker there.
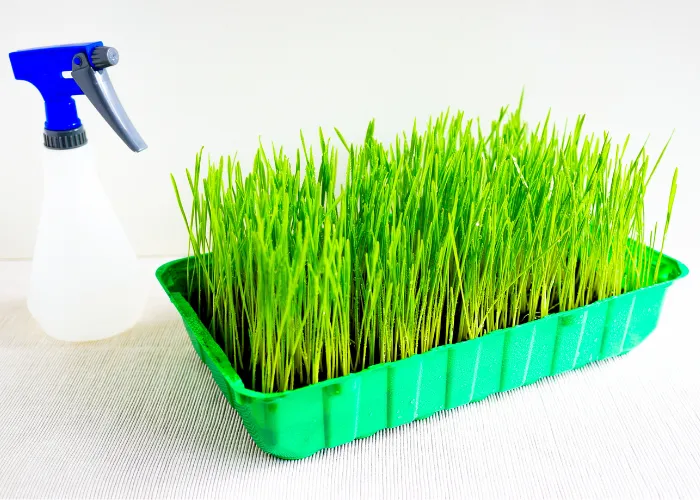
(86, 282)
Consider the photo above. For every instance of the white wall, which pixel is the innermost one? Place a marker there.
(220, 73)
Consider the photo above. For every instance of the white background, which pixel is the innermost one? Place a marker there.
(222, 74)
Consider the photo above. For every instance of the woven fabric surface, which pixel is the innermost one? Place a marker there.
(138, 416)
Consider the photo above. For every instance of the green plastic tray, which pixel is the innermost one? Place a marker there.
(300, 422)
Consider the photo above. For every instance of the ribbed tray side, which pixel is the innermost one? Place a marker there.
(298, 423)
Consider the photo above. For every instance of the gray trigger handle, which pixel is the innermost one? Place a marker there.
(97, 87)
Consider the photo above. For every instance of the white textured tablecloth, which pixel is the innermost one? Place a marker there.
(139, 416)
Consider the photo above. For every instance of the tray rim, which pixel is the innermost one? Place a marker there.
(214, 351)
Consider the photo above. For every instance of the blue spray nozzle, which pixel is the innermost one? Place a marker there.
(44, 67)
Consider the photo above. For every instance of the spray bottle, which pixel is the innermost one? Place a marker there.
(86, 282)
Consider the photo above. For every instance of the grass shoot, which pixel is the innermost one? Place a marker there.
(442, 236)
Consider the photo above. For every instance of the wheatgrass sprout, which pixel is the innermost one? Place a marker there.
(441, 236)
